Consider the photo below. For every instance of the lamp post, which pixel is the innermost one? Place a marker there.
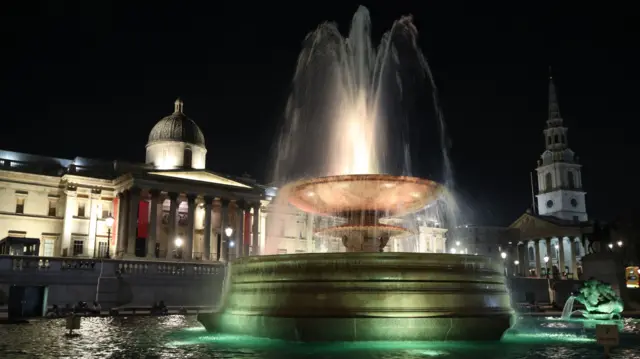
(619, 243)
(546, 267)
(504, 257)
(228, 232)
(109, 223)
(178, 242)
(516, 263)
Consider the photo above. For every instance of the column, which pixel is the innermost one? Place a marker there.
(132, 221)
(153, 223)
(549, 265)
(310, 221)
(224, 222)
(574, 262)
(94, 208)
(208, 207)
(561, 255)
(173, 219)
(523, 257)
(123, 209)
(536, 245)
(255, 237)
(69, 212)
(191, 222)
(240, 245)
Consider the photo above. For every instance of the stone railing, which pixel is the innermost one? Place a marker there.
(120, 267)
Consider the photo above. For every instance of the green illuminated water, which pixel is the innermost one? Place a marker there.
(182, 337)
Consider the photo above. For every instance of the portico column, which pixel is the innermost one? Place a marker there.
(240, 245)
(94, 208)
(153, 223)
(549, 265)
(524, 260)
(191, 221)
(255, 237)
(561, 254)
(173, 219)
(224, 222)
(536, 246)
(574, 264)
(132, 222)
(208, 206)
(123, 208)
(69, 210)
(310, 221)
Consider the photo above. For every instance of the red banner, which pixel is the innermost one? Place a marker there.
(143, 219)
(247, 228)
(114, 228)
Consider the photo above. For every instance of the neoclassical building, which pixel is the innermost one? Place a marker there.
(553, 235)
(170, 207)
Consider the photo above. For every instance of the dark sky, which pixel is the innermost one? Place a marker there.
(91, 80)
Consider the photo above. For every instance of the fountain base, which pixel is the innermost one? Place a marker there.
(366, 297)
(316, 329)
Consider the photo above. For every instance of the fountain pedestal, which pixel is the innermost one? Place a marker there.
(365, 297)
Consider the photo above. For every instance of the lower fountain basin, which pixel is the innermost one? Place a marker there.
(365, 297)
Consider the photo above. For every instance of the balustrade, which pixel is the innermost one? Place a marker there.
(107, 267)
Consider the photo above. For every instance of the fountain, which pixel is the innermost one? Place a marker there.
(332, 155)
(365, 294)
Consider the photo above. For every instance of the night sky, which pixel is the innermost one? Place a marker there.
(92, 80)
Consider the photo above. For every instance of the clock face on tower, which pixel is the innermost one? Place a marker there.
(574, 202)
(549, 203)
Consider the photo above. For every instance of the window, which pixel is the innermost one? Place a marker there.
(532, 255)
(548, 181)
(48, 245)
(556, 139)
(81, 208)
(549, 140)
(282, 251)
(20, 205)
(52, 209)
(102, 249)
(78, 247)
(187, 158)
(572, 180)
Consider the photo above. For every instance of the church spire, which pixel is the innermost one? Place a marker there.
(554, 119)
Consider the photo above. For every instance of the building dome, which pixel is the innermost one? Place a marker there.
(177, 127)
(176, 142)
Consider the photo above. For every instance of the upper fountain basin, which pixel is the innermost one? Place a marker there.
(387, 194)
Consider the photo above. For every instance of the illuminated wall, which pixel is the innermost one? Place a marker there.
(168, 155)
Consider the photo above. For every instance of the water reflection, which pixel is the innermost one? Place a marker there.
(182, 337)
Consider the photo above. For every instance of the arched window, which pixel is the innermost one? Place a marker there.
(532, 255)
(187, 159)
(548, 181)
(557, 139)
(572, 180)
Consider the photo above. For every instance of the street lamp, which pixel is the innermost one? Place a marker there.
(178, 242)
(619, 243)
(228, 231)
(109, 223)
(453, 251)
(503, 255)
(546, 267)
(516, 263)
(610, 245)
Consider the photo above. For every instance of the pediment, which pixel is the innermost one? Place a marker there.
(532, 227)
(200, 176)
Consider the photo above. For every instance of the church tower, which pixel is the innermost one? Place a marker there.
(560, 192)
